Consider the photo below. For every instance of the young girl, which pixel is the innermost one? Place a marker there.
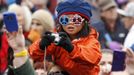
(78, 50)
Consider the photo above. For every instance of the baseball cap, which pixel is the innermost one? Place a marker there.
(128, 11)
(106, 4)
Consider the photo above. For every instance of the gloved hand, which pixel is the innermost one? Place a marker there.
(46, 40)
(114, 45)
(65, 42)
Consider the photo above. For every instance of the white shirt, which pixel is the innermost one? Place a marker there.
(129, 40)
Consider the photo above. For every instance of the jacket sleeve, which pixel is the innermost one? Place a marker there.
(37, 54)
(25, 69)
(88, 52)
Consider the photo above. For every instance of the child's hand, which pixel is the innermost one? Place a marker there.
(65, 42)
(16, 40)
(46, 40)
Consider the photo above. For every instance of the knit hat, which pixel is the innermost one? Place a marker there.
(46, 19)
(74, 6)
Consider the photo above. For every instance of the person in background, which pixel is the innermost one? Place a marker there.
(74, 53)
(115, 32)
(42, 21)
(106, 64)
(129, 60)
(3, 6)
(52, 6)
(6, 53)
(23, 17)
(36, 4)
(96, 20)
(128, 18)
(21, 63)
(3, 50)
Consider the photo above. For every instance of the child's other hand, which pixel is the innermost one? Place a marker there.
(65, 42)
(46, 40)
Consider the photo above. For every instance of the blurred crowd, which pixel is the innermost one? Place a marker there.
(113, 19)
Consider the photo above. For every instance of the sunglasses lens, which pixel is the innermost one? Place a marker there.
(64, 20)
(74, 19)
(77, 19)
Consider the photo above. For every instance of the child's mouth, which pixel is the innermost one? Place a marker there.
(70, 28)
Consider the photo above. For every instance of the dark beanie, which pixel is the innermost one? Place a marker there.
(74, 6)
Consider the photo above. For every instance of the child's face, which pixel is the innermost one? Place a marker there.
(71, 23)
(106, 63)
(37, 26)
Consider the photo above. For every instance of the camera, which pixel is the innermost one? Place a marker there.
(57, 38)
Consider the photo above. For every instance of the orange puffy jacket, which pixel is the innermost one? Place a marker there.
(83, 60)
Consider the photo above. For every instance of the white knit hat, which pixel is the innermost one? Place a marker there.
(46, 19)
